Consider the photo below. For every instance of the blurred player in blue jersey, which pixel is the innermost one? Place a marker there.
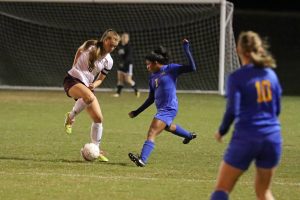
(253, 102)
(162, 91)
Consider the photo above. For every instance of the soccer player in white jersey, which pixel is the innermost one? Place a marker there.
(91, 64)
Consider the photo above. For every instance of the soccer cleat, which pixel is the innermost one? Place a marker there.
(102, 158)
(136, 159)
(68, 129)
(116, 95)
(187, 140)
(68, 123)
(137, 94)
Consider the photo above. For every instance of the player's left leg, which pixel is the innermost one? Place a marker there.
(179, 131)
(130, 81)
(95, 113)
(156, 127)
(263, 183)
(227, 178)
(266, 162)
(133, 85)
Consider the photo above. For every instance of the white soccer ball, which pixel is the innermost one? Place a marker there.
(90, 152)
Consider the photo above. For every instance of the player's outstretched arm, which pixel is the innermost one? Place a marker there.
(191, 62)
(143, 107)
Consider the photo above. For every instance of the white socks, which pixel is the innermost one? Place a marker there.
(96, 128)
(96, 133)
(79, 106)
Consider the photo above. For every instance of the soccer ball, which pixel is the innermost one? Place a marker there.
(90, 152)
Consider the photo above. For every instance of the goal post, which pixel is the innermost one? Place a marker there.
(40, 37)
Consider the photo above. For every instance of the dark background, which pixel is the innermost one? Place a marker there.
(279, 23)
(39, 36)
(270, 5)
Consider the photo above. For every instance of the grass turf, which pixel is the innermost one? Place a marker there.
(39, 161)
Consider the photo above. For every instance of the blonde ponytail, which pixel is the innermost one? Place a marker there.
(94, 53)
(257, 49)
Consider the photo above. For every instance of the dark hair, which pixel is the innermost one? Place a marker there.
(160, 54)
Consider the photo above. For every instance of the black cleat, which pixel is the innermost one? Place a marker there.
(136, 159)
(187, 140)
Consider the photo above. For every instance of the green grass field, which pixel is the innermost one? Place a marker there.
(38, 161)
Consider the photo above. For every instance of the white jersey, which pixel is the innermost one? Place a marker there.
(81, 69)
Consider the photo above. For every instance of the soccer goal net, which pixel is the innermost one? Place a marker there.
(39, 38)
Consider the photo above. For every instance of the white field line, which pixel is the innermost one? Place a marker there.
(118, 178)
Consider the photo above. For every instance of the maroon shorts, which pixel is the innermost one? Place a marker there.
(70, 81)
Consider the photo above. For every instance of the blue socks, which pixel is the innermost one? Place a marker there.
(219, 195)
(181, 132)
(147, 149)
(149, 145)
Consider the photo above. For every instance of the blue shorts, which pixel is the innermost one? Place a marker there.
(266, 153)
(166, 116)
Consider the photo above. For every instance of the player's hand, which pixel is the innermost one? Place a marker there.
(218, 137)
(92, 86)
(95, 84)
(186, 44)
(184, 41)
(132, 114)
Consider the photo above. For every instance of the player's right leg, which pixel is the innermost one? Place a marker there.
(85, 96)
(120, 83)
(227, 178)
(78, 107)
(156, 127)
(131, 82)
(237, 159)
(68, 123)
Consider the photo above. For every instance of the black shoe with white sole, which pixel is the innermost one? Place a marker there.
(136, 159)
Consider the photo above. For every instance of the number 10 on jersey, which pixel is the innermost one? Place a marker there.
(264, 92)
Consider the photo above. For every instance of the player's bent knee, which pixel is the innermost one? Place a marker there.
(98, 119)
(88, 99)
(171, 128)
(151, 134)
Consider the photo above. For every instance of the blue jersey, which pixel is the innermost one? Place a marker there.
(163, 85)
(253, 102)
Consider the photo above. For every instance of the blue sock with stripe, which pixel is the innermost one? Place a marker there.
(219, 195)
(147, 149)
(182, 132)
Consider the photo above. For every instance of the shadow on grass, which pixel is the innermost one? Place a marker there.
(62, 161)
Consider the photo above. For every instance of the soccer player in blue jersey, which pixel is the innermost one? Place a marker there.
(253, 102)
(162, 91)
